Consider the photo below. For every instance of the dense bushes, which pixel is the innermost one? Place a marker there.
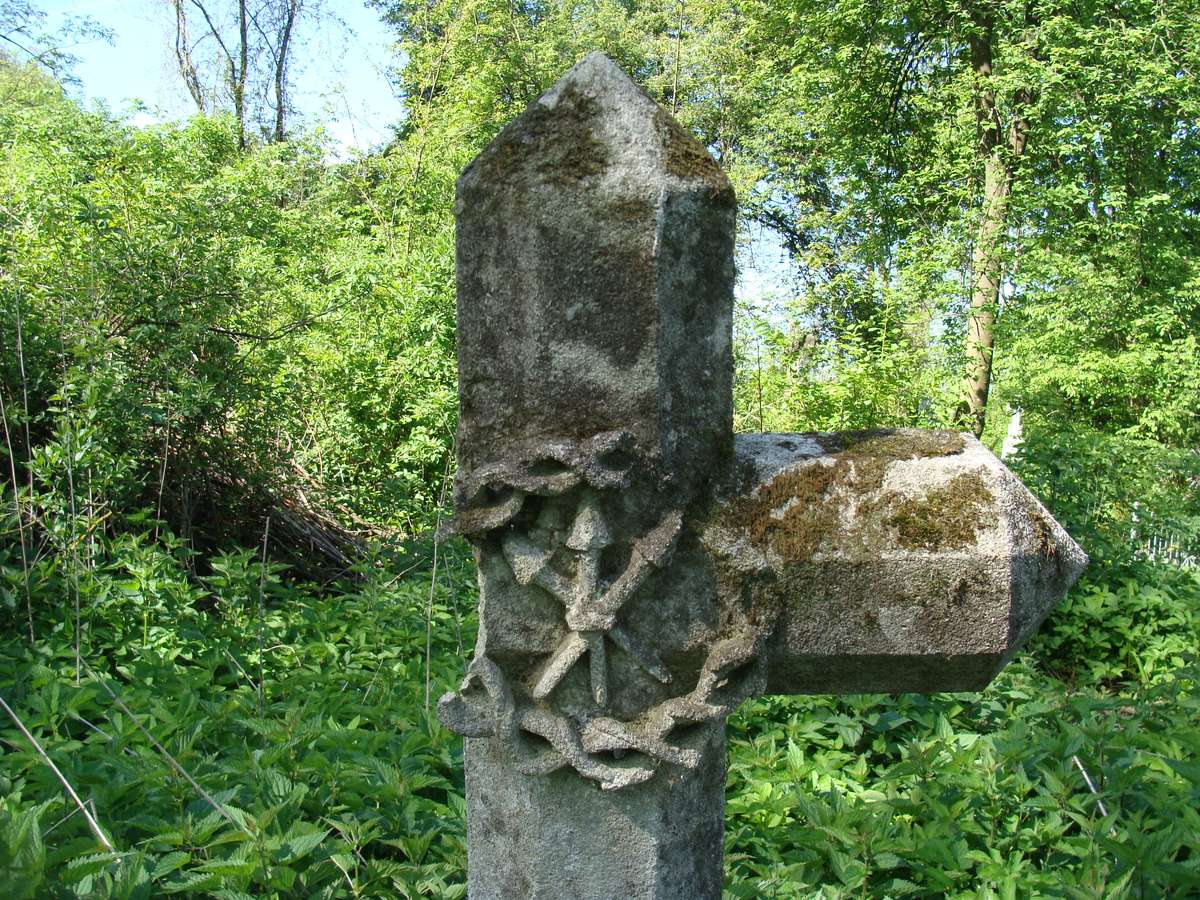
(301, 715)
(194, 323)
(976, 795)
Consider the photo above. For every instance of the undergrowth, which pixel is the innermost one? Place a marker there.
(1075, 774)
(302, 718)
(237, 735)
(982, 795)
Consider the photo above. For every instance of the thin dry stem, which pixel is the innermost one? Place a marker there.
(24, 391)
(180, 770)
(162, 476)
(1091, 785)
(92, 823)
(262, 612)
(432, 586)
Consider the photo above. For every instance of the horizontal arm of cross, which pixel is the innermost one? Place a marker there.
(889, 560)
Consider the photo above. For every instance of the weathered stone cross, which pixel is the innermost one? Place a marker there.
(642, 569)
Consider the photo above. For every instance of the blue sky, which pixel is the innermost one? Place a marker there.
(339, 72)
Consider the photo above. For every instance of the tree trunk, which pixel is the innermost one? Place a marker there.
(987, 270)
(183, 57)
(239, 84)
(987, 259)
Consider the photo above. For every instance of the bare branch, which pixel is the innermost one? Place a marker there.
(214, 31)
(183, 57)
(281, 59)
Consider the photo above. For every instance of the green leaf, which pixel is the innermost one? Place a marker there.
(168, 863)
(78, 869)
(1189, 770)
(297, 846)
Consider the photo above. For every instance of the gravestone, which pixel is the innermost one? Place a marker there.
(642, 569)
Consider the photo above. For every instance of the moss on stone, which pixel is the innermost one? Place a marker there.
(569, 131)
(792, 514)
(686, 157)
(1043, 536)
(626, 211)
(893, 444)
(799, 511)
(560, 140)
(944, 518)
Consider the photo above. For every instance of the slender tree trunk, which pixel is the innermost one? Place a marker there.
(237, 68)
(678, 43)
(999, 158)
(285, 38)
(987, 271)
(239, 84)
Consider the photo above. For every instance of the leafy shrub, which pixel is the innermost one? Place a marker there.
(228, 321)
(1134, 624)
(301, 715)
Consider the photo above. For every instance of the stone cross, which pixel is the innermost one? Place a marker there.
(642, 569)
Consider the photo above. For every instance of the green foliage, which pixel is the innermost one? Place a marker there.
(185, 324)
(333, 780)
(969, 795)
(862, 131)
(1120, 627)
(877, 373)
(302, 716)
(1109, 489)
(22, 853)
(236, 313)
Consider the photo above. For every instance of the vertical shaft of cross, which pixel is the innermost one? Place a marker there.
(547, 837)
(595, 276)
(595, 270)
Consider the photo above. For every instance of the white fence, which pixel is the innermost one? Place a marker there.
(1168, 547)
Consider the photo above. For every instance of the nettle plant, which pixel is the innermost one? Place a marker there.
(235, 735)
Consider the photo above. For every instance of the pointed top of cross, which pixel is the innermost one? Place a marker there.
(594, 129)
(595, 270)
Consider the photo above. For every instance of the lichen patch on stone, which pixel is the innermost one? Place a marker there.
(560, 140)
(794, 512)
(686, 157)
(893, 444)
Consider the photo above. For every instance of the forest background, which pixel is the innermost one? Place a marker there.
(227, 392)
